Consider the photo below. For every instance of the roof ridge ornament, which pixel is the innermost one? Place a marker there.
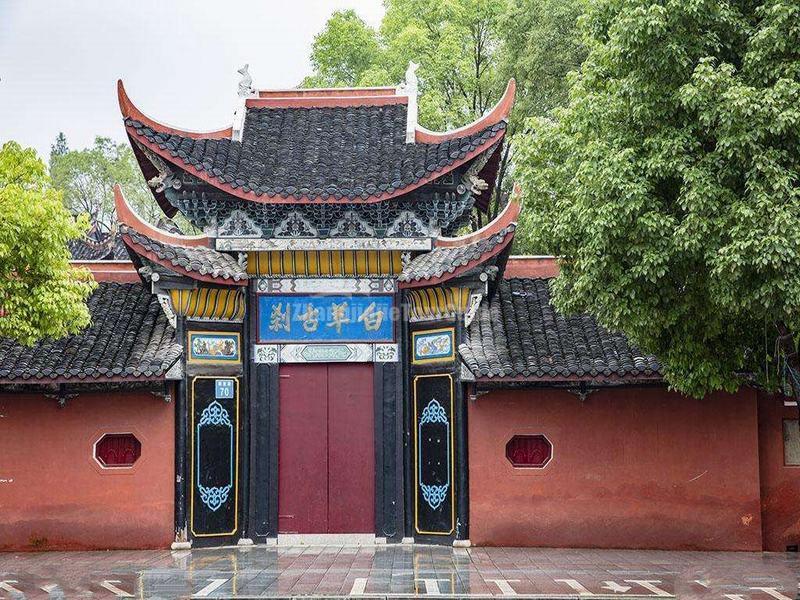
(246, 90)
(410, 88)
(246, 83)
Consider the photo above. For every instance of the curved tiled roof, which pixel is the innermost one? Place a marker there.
(191, 260)
(355, 153)
(129, 337)
(518, 334)
(318, 145)
(451, 260)
(109, 248)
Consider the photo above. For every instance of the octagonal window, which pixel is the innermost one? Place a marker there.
(529, 451)
(115, 450)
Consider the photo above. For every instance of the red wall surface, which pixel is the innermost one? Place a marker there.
(631, 468)
(780, 484)
(54, 495)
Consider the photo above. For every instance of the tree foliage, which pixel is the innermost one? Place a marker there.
(87, 177)
(541, 45)
(41, 295)
(670, 184)
(342, 52)
(467, 50)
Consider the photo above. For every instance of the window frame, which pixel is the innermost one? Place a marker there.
(106, 467)
(784, 420)
(518, 467)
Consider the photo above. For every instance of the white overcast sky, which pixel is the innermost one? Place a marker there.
(60, 60)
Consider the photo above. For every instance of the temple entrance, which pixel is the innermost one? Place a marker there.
(326, 454)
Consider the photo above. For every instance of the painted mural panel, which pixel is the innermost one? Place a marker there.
(214, 347)
(214, 456)
(325, 318)
(433, 346)
(434, 494)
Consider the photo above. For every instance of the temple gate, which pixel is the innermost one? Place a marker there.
(321, 310)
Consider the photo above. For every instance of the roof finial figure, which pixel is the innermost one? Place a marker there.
(411, 77)
(246, 84)
(410, 88)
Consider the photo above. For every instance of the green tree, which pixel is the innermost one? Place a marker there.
(41, 295)
(456, 45)
(670, 184)
(60, 146)
(87, 177)
(454, 42)
(541, 45)
(466, 51)
(342, 52)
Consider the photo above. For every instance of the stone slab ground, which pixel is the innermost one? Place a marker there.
(400, 571)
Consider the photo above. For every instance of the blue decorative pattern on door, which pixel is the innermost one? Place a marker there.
(433, 413)
(434, 493)
(214, 496)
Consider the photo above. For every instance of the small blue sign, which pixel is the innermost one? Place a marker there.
(224, 389)
(335, 318)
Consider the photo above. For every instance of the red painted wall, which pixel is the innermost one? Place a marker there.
(54, 495)
(780, 484)
(631, 468)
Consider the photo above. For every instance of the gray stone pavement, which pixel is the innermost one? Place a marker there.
(398, 571)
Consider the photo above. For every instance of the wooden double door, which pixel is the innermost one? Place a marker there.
(326, 453)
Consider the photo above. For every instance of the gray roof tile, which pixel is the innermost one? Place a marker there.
(517, 333)
(129, 337)
(439, 261)
(198, 259)
(328, 152)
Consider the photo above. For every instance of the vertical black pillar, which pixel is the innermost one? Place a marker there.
(462, 453)
(407, 424)
(263, 386)
(388, 454)
(181, 425)
(264, 452)
(246, 407)
(380, 458)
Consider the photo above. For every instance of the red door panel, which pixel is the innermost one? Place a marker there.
(303, 449)
(351, 449)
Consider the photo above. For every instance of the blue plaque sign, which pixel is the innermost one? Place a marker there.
(335, 318)
(224, 388)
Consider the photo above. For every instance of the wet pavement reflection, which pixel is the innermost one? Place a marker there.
(399, 570)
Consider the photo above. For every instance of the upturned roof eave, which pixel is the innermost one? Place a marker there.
(127, 216)
(460, 270)
(500, 112)
(129, 110)
(197, 276)
(504, 220)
